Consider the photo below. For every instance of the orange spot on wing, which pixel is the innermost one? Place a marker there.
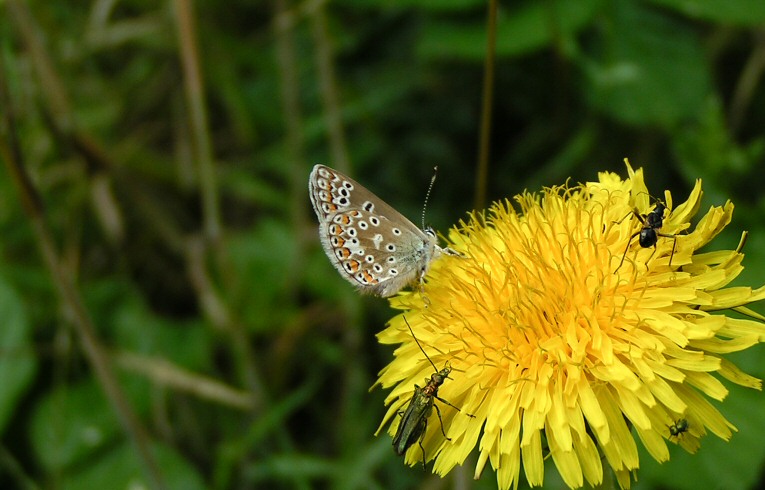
(369, 278)
(354, 265)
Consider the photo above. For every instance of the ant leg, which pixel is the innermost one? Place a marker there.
(634, 212)
(625, 217)
(625, 251)
(674, 245)
(652, 254)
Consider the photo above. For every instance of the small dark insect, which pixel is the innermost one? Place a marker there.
(414, 420)
(649, 234)
(678, 428)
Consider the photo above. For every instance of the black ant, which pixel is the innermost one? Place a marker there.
(649, 235)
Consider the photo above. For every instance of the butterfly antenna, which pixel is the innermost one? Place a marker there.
(425, 205)
(418, 342)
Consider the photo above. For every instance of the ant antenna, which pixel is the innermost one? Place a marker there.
(424, 206)
(415, 337)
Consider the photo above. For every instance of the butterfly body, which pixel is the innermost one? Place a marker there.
(372, 245)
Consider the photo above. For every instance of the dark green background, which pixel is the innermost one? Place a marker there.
(675, 86)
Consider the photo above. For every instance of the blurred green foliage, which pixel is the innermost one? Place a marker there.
(107, 132)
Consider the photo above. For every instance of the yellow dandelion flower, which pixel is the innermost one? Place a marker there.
(563, 347)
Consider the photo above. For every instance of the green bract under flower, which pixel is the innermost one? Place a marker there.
(559, 350)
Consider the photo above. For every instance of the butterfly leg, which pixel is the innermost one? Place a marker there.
(425, 298)
(452, 252)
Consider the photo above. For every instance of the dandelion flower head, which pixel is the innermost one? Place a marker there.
(560, 350)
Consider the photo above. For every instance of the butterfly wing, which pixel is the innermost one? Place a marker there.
(372, 245)
(332, 192)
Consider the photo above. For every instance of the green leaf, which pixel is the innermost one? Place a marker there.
(120, 468)
(75, 421)
(743, 12)
(17, 361)
(263, 268)
(71, 423)
(519, 31)
(652, 70)
(423, 5)
(707, 150)
(137, 329)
